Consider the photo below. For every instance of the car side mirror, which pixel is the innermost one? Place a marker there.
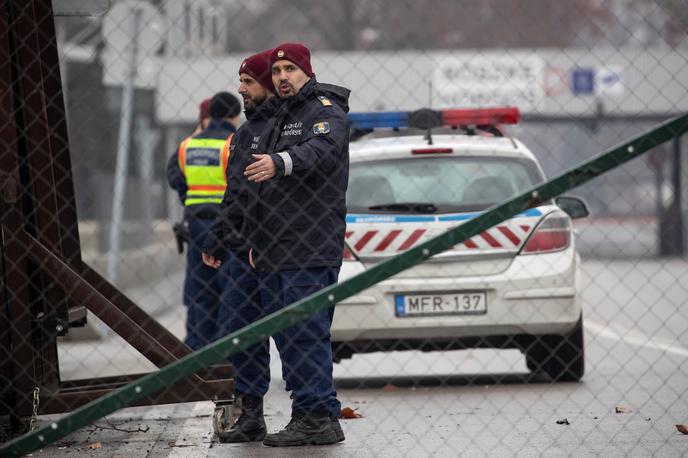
(574, 206)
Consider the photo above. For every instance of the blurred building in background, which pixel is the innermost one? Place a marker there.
(586, 74)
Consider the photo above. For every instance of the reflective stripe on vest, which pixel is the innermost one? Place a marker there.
(203, 162)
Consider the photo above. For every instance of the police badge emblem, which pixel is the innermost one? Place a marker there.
(321, 128)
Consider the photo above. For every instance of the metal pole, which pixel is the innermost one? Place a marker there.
(147, 139)
(677, 208)
(64, 68)
(123, 153)
(659, 197)
(174, 209)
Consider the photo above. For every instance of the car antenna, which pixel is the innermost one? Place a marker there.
(429, 137)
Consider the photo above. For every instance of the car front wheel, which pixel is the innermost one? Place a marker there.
(560, 357)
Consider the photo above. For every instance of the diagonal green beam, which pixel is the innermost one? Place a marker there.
(329, 296)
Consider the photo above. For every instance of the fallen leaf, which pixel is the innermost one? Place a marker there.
(95, 445)
(565, 421)
(682, 428)
(622, 409)
(349, 413)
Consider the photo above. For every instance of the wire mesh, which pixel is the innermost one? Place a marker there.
(557, 331)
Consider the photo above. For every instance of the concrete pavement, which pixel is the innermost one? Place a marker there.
(449, 403)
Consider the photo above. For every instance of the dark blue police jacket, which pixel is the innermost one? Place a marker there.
(228, 230)
(297, 219)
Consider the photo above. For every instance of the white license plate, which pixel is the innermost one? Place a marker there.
(461, 303)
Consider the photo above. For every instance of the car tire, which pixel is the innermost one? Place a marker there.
(562, 358)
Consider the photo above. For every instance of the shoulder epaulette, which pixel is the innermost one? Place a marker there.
(325, 101)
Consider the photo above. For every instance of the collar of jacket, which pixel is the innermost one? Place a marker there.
(337, 94)
(306, 91)
(220, 124)
(265, 110)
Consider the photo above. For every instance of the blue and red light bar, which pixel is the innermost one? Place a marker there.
(481, 116)
(376, 120)
(449, 118)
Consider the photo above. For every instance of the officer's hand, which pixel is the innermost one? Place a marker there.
(262, 169)
(211, 261)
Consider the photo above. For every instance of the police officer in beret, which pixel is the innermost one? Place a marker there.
(226, 248)
(295, 230)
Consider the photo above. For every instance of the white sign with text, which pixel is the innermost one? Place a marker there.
(488, 81)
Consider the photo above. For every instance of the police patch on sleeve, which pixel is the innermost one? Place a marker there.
(325, 101)
(321, 128)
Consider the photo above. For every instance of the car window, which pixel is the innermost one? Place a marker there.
(445, 183)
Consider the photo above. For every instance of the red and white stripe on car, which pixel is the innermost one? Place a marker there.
(388, 241)
(371, 237)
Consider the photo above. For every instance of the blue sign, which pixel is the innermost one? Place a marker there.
(582, 81)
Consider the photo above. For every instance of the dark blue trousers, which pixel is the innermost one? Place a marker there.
(241, 305)
(305, 348)
(202, 288)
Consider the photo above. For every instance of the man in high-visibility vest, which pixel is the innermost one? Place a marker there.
(197, 172)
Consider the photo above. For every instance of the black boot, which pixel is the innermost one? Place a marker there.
(337, 428)
(308, 428)
(250, 426)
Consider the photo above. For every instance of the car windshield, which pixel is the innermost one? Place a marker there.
(437, 184)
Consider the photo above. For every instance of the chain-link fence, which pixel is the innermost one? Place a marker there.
(539, 323)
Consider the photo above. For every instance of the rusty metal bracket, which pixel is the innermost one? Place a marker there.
(44, 284)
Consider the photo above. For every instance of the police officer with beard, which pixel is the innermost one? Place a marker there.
(296, 233)
(226, 249)
(257, 91)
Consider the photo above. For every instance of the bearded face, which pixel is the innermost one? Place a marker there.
(251, 91)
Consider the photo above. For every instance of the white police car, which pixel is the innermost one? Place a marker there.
(515, 285)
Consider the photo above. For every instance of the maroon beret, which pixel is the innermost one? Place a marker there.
(258, 67)
(293, 52)
(204, 109)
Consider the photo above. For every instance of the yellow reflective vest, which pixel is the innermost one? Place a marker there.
(203, 162)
